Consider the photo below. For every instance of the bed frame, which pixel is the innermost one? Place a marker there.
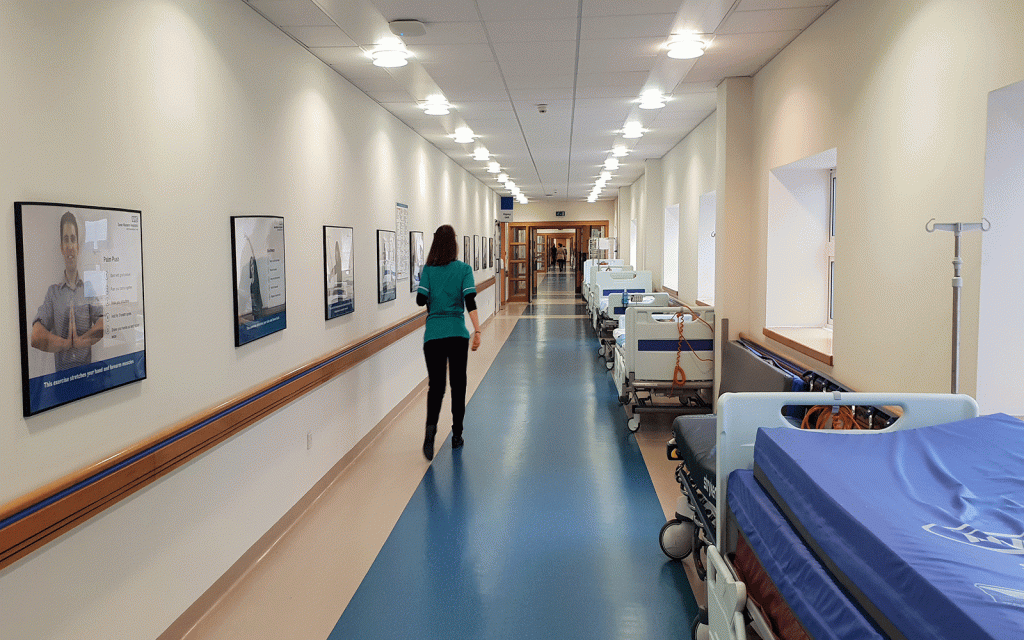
(740, 415)
(646, 363)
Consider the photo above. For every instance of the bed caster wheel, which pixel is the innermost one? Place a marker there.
(634, 424)
(600, 351)
(677, 538)
(608, 364)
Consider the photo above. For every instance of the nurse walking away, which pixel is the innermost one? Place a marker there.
(446, 287)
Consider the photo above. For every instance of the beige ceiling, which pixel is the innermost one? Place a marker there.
(587, 60)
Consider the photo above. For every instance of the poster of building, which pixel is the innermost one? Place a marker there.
(402, 238)
(80, 298)
(417, 256)
(339, 276)
(258, 267)
(387, 282)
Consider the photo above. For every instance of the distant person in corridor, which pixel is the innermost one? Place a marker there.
(446, 288)
(561, 254)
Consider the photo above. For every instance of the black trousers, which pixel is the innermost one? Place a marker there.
(451, 354)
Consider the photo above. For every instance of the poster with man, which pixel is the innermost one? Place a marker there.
(80, 300)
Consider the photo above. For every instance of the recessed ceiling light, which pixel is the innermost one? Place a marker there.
(463, 135)
(390, 53)
(493, 167)
(652, 99)
(633, 130)
(503, 178)
(611, 164)
(436, 105)
(481, 154)
(619, 150)
(685, 47)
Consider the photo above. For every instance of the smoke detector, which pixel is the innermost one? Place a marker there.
(407, 28)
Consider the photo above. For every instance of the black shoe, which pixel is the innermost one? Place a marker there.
(457, 442)
(428, 442)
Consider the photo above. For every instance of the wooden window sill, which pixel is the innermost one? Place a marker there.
(813, 342)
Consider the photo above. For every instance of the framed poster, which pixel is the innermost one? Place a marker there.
(258, 276)
(416, 259)
(476, 253)
(402, 237)
(490, 253)
(339, 278)
(387, 280)
(467, 253)
(82, 316)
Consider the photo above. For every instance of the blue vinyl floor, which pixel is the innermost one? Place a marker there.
(544, 525)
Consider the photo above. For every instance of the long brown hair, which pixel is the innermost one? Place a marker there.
(444, 248)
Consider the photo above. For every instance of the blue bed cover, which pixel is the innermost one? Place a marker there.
(821, 606)
(924, 527)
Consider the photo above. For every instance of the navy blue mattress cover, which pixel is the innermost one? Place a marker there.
(821, 606)
(925, 527)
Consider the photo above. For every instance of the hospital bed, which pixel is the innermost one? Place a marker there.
(611, 280)
(914, 531)
(665, 354)
(590, 267)
(608, 289)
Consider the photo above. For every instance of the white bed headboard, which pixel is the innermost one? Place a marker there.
(741, 414)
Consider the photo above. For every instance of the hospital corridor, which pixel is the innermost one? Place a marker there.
(544, 525)
(745, 275)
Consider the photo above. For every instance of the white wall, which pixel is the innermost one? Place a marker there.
(193, 111)
(575, 211)
(900, 89)
(1000, 351)
(688, 171)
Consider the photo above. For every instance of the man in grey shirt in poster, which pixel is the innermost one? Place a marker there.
(67, 324)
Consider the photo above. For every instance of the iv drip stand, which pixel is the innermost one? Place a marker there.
(957, 228)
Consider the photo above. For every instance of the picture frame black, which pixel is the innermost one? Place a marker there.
(467, 253)
(86, 334)
(387, 276)
(258, 277)
(339, 272)
(476, 253)
(417, 256)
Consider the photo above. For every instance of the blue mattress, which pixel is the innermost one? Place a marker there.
(821, 606)
(924, 527)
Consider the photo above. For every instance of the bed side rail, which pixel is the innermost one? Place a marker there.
(741, 414)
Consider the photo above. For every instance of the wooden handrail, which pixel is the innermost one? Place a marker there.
(32, 520)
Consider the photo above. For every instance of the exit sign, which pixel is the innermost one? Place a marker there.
(560, 213)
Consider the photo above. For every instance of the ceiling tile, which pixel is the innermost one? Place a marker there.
(621, 8)
(658, 25)
(426, 11)
(532, 30)
(292, 13)
(320, 36)
(535, 9)
(602, 56)
(761, 5)
(771, 20)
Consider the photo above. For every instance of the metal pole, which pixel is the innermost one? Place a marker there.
(957, 228)
(957, 285)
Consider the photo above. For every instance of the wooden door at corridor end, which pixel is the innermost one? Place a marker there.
(520, 276)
